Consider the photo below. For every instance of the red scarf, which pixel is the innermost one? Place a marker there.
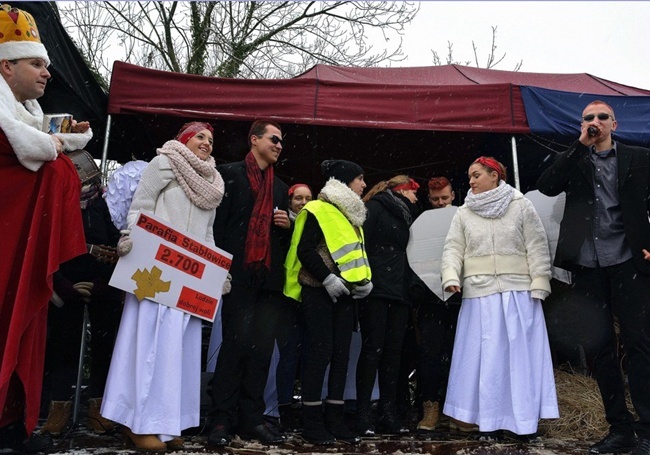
(258, 242)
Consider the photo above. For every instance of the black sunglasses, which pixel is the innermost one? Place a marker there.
(602, 117)
(276, 140)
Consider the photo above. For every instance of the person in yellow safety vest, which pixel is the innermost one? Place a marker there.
(327, 270)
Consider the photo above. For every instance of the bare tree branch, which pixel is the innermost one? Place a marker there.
(239, 39)
(491, 61)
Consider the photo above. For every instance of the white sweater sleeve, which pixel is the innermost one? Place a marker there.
(209, 235)
(537, 252)
(155, 177)
(451, 266)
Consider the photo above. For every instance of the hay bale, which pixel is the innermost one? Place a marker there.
(582, 415)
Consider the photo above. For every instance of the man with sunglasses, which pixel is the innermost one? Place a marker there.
(250, 226)
(604, 241)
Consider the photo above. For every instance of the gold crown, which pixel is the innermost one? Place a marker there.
(19, 37)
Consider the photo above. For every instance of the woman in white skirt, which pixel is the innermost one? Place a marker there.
(501, 374)
(154, 381)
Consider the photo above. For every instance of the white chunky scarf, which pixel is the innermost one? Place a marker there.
(492, 203)
(347, 201)
(199, 179)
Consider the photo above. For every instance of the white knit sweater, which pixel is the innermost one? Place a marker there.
(496, 255)
(159, 193)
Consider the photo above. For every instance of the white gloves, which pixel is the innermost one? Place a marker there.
(227, 285)
(125, 243)
(335, 286)
(361, 292)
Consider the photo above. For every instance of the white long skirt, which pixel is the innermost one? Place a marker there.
(154, 381)
(501, 375)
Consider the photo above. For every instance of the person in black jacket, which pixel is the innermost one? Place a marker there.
(604, 241)
(251, 227)
(436, 325)
(83, 281)
(383, 316)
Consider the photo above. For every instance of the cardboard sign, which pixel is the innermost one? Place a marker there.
(172, 268)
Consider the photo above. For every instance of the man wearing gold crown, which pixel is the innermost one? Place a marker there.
(40, 222)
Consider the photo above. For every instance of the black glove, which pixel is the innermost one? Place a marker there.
(66, 291)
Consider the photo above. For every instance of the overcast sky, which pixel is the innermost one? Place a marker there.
(607, 39)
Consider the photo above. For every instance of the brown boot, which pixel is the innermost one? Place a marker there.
(463, 427)
(145, 442)
(58, 417)
(175, 444)
(95, 420)
(431, 416)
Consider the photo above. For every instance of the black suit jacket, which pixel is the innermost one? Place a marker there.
(572, 172)
(231, 227)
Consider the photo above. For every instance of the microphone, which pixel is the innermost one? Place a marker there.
(592, 131)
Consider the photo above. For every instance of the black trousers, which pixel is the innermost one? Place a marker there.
(64, 328)
(249, 318)
(622, 292)
(329, 327)
(289, 338)
(436, 323)
(383, 324)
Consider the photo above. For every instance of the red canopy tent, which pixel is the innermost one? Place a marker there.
(445, 98)
(357, 103)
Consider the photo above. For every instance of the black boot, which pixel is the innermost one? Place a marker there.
(14, 437)
(313, 428)
(290, 418)
(364, 425)
(336, 425)
(388, 422)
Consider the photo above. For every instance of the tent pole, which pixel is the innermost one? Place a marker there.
(515, 162)
(105, 147)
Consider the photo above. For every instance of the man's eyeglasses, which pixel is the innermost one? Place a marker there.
(602, 117)
(276, 140)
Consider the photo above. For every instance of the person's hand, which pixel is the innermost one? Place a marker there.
(361, 292)
(452, 289)
(585, 138)
(124, 245)
(58, 143)
(227, 285)
(335, 286)
(281, 219)
(646, 254)
(80, 127)
(84, 288)
(67, 293)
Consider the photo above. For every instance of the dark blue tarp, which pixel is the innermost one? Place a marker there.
(558, 113)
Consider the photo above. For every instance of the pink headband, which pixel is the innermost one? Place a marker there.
(296, 186)
(189, 130)
(411, 185)
(492, 164)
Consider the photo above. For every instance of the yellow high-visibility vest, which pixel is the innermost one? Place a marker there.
(343, 243)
